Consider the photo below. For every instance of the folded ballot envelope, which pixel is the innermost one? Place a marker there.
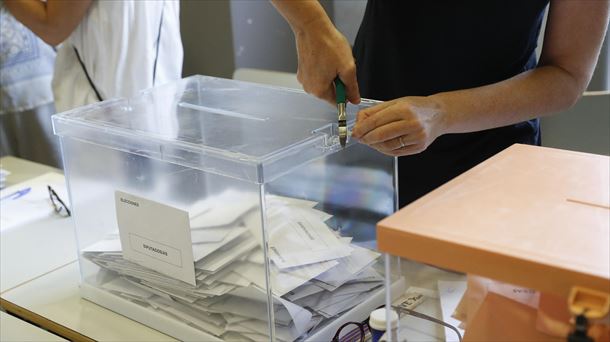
(530, 227)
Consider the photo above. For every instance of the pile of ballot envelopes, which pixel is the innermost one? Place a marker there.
(315, 275)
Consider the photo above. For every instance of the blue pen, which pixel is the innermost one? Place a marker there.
(17, 194)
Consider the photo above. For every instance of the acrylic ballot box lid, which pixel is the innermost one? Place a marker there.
(530, 216)
(238, 129)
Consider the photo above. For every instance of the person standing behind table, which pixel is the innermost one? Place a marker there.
(110, 48)
(26, 99)
(460, 78)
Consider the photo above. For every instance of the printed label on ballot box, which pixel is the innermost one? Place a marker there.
(156, 236)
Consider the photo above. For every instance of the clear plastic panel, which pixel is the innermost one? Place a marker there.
(427, 301)
(320, 226)
(223, 126)
(225, 232)
(230, 222)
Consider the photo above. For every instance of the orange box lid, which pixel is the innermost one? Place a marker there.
(531, 216)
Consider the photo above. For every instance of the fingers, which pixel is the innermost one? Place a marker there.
(349, 78)
(320, 88)
(367, 112)
(382, 117)
(329, 95)
(325, 88)
(408, 150)
(404, 151)
(392, 131)
(390, 145)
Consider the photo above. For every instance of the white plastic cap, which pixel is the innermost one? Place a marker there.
(377, 320)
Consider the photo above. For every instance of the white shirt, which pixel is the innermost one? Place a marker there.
(117, 43)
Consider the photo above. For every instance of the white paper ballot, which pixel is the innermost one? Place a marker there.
(223, 209)
(348, 267)
(299, 316)
(303, 291)
(210, 235)
(282, 281)
(297, 237)
(121, 285)
(222, 257)
(156, 236)
(201, 251)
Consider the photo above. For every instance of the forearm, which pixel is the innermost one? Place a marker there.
(323, 52)
(53, 21)
(572, 41)
(301, 14)
(535, 93)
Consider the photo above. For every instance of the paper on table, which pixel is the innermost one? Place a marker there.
(450, 293)
(29, 201)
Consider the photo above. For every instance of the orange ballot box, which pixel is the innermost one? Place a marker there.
(530, 228)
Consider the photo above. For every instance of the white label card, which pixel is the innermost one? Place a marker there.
(156, 236)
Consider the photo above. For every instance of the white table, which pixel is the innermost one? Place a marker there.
(53, 301)
(37, 247)
(39, 277)
(15, 330)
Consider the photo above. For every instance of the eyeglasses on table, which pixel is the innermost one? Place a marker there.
(58, 204)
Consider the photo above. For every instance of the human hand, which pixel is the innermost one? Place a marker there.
(324, 54)
(400, 127)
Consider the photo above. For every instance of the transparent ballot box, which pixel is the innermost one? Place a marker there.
(218, 210)
(515, 249)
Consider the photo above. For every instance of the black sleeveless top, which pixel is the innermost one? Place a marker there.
(419, 48)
